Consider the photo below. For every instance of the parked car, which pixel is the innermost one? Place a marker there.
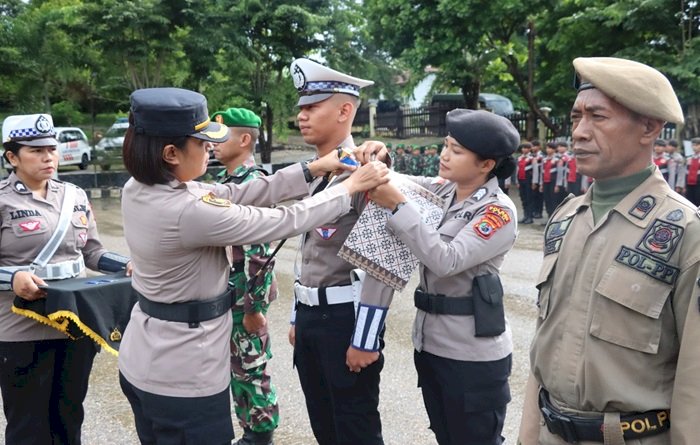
(114, 137)
(73, 148)
(108, 150)
(489, 101)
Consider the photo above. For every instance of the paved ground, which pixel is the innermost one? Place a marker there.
(109, 420)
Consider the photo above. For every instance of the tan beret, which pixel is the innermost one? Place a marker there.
(638, 87)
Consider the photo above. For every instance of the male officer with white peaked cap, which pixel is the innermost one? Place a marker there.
(338, 359)
(616, 358)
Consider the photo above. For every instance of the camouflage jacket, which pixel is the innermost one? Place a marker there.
(415, 165)
(254, 256)
(431, 165)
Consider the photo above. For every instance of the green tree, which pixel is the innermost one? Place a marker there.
(471, 42)
(661, 33)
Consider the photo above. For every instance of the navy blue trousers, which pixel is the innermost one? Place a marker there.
(466, 401)
(342, 405)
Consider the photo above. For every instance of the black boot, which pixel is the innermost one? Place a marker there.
(255, 438)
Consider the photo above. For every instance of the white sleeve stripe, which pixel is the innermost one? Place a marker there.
(374, 329)
(360, 326)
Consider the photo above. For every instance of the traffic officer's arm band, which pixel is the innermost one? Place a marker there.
(112, 262)
(368, 326)
(6, 276)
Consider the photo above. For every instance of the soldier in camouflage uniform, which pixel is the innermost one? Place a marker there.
(400, 159)
(415, 162)
(431, 162)
(254, 397)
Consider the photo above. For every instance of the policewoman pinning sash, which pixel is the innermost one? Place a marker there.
(174, 360)
(615, 357)
(461, 337)
(47, 233)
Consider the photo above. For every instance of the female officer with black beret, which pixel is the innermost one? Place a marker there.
(174, 357)
(462, 341)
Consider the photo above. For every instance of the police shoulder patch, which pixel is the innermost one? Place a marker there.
(213, 200)
(494, 218)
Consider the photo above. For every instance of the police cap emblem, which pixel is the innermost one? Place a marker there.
(42, 124)
(298, 77)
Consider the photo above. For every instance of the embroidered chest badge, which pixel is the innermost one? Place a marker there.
(326, 232)
(213, 200)
(642, 208)
(554, 235)
(30, 226)
(661, 240)
(494, 218)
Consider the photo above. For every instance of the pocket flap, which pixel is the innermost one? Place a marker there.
(634, 290)
(546, 269)
(489, 288)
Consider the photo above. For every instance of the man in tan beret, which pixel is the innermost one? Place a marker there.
(616, 356)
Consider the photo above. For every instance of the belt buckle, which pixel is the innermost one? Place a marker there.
(560, 425)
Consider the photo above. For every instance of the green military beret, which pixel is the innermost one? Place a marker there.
(433, 146)
(237, 117)
(399, 146)
(388, 145)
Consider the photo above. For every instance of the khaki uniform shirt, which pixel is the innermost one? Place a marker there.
(178, 245)
(320, 263)
(619, 323)
(451, 256)
(27, 222)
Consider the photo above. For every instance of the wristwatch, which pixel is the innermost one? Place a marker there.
(307, 172)
(398, 206)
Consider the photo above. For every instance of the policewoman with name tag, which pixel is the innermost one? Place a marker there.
(174, 360)
(461, 338)
(47, 232)
(615, 358)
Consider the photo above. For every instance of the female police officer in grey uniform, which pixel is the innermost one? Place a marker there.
(174, 357)
(43, 375)
(462, 342)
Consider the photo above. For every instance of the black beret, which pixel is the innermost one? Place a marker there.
(487, 134)
(174, 112)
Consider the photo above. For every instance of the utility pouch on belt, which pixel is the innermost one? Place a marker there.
(489, 316)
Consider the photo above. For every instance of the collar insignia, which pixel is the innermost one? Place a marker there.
(642, 208)
(479, 194)
(20, 187)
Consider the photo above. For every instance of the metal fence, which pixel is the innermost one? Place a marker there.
(430, 121)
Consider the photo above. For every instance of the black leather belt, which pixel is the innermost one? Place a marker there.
(441, 304)
(575, 429)
(191, 312)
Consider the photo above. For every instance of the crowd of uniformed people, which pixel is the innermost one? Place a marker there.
(613, 360)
